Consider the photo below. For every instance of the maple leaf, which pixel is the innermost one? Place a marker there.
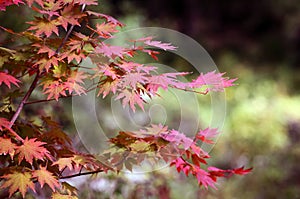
(159, 44)
(4, 123)
(241, 171)
(8, 79)
(57, 195)
(133, 79)
(177, 138)
(203, 177)
(32, 149)
(105, 29)
(64, 162)
(44, 26)
(214, 80)
(110, 51)
(152, 53)
(7, 147)
(74, 80)
(131, 98)
(18, 181)
(105, 69)
(47, 11)
(5, 3)
(69, 15)
(46, 63)
(108, 86)
(207, 133)
(165, 81)
(53, 89)
(45, 177)
(106, 17)
(44, 49)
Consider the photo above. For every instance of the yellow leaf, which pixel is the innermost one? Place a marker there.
(61, 196)
(18, 181)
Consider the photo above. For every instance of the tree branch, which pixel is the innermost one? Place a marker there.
(81, 174)
(24, 100)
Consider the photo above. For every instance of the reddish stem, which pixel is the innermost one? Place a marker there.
(21, 105)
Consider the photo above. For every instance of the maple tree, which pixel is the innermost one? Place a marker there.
(43, 154)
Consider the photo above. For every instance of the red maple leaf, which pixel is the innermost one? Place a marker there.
(203, 177)
(207, 133)
(5, 3)
(8, 79)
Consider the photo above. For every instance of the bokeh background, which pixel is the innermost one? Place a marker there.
(256, 41)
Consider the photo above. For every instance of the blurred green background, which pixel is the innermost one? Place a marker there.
(259, 43)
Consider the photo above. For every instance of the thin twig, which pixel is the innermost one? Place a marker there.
(68, 34)
(193, 91)
(81, 174)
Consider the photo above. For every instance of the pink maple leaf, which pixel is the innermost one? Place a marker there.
(177, 138)
(132, 79)
(214, 80)
(131, 98)
(110, 51)
(207, 133)
(159, 44)
(203, 177)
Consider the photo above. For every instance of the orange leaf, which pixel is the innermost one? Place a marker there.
(44, 26)
(18, 181)
(45, 177)
(7, 147)
(64, 162)
(32, 149)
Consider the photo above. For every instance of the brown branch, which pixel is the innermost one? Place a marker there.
(81, 174)
(24, 100)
